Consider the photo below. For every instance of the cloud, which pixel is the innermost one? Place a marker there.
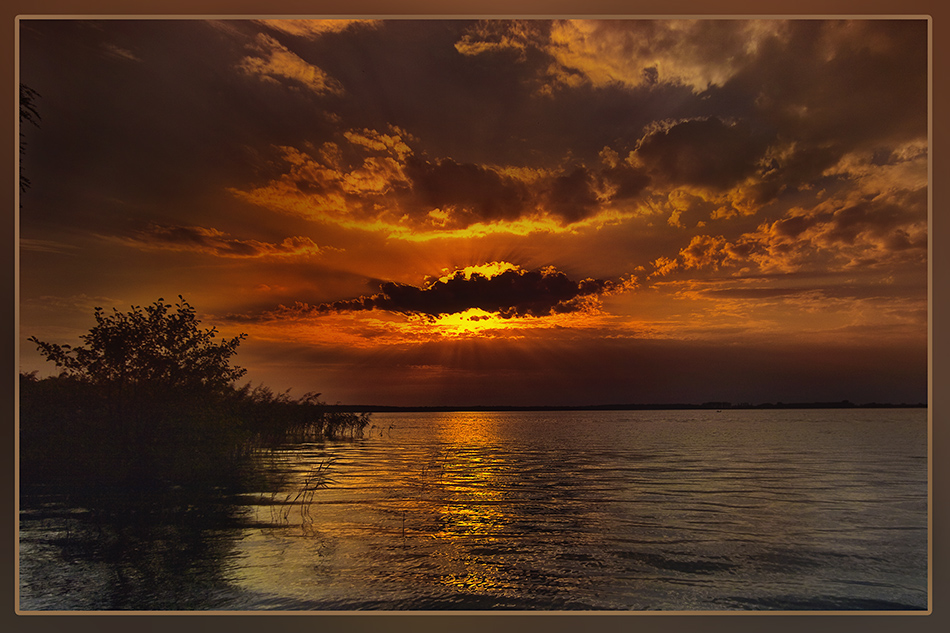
(854, 233)
(276, 63)
(773, 105)
(214, 242)
(347, 183)
(376, 181)
(120, 52)
(512, 292)
(622, 182)
(46, 246)
(832, 87)
(732, 114)
(468, 193)
(316, 28)
(495, 36)
(391, 143)
(885, 168)
(694, 53)
(570, 196)
(704, 152)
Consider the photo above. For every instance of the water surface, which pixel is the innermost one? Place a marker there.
(629, 510)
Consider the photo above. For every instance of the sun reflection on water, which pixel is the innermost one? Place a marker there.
(473, 510)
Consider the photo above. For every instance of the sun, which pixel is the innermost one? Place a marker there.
(471, 322)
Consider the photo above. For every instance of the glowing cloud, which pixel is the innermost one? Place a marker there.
(837, 235)
(316, 28)
(375, 181)
(277, 64)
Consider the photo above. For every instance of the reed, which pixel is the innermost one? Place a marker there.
(76, 439)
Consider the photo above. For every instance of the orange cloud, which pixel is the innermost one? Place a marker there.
(493, 36)
(315, 28)
(694, 53)
(375, 181)
(838, 234)
(885, 170)
(277, 64)
(392, 143)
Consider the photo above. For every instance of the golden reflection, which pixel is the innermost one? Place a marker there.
(473, 509)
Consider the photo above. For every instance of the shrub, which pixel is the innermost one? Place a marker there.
(139, 404)
(149, 349)
(148, 401)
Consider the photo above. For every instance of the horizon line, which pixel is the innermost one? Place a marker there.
(841, 404)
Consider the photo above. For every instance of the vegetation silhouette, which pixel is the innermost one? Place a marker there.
(28, 114)
(147, 408)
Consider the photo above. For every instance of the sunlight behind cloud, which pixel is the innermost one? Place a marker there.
(485, 270)
(469, 322)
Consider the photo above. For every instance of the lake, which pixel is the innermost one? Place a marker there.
(692, 510)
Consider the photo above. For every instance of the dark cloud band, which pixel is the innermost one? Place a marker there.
(513, 293)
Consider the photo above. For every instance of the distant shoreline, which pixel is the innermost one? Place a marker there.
(845, 404)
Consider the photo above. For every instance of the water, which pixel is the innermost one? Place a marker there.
(638, 510)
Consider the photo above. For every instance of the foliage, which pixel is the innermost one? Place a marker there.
(151, 348)
(149, 402)
(28, 114)
(139, 405)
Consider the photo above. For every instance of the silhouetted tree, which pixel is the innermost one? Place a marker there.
(148, 400)
(151, 348)
(145, 399)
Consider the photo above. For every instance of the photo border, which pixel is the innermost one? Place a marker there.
(700, 621)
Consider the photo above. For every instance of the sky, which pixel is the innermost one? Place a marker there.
(478, 212)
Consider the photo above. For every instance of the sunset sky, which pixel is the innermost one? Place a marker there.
(513, 212)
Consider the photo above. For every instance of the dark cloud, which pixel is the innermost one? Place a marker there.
(629, 182)
(371, 176)
(825, 88)
(513, 293)
(214, 242)
(702, 152)
(879, 220)
(147, 136)
(471, 190)
(885, 222)
(792, 227)
(472, 193)
(571, 196)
